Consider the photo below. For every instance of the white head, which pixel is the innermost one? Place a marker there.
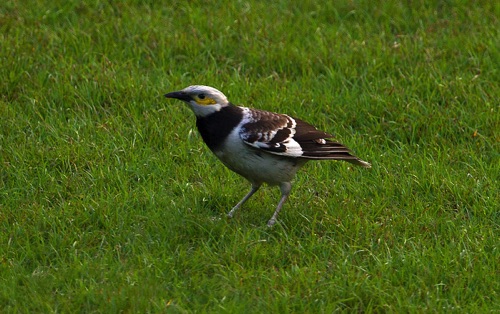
(203, 100)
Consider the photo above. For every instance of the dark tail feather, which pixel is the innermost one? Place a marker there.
(359, 162)
(345, 157)
(330, 150)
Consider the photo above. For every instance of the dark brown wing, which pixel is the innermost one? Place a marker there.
(283, 135)
(271, 132)
(315, 144)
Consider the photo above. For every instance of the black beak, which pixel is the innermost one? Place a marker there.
(179, 95)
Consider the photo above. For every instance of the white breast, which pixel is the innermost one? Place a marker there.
(256, 165)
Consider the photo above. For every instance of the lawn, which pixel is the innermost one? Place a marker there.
(110, 202)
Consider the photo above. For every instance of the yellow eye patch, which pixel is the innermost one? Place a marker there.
(205, 100)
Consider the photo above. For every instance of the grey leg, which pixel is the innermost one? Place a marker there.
(254, 189)
(285, 188)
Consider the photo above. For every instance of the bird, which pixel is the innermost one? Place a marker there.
(259, 145)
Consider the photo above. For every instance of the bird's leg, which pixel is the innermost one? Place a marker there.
(285, 188)
(254, 189)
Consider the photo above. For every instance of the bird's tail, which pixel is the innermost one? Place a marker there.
(325, 149)
(359, 162)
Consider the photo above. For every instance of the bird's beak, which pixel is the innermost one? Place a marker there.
(179, 95)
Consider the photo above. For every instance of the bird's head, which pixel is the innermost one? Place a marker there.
(203, 100)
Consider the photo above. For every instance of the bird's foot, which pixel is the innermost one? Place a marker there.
(231, 212)
(271, 222)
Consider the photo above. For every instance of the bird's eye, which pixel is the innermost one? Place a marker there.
(201, 96)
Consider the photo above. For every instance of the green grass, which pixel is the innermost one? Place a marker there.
(109, 201)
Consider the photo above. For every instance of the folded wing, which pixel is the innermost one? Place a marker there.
(283, 135)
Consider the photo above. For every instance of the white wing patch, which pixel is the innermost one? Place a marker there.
(289, 148)
(270, 132)
(283, 135)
